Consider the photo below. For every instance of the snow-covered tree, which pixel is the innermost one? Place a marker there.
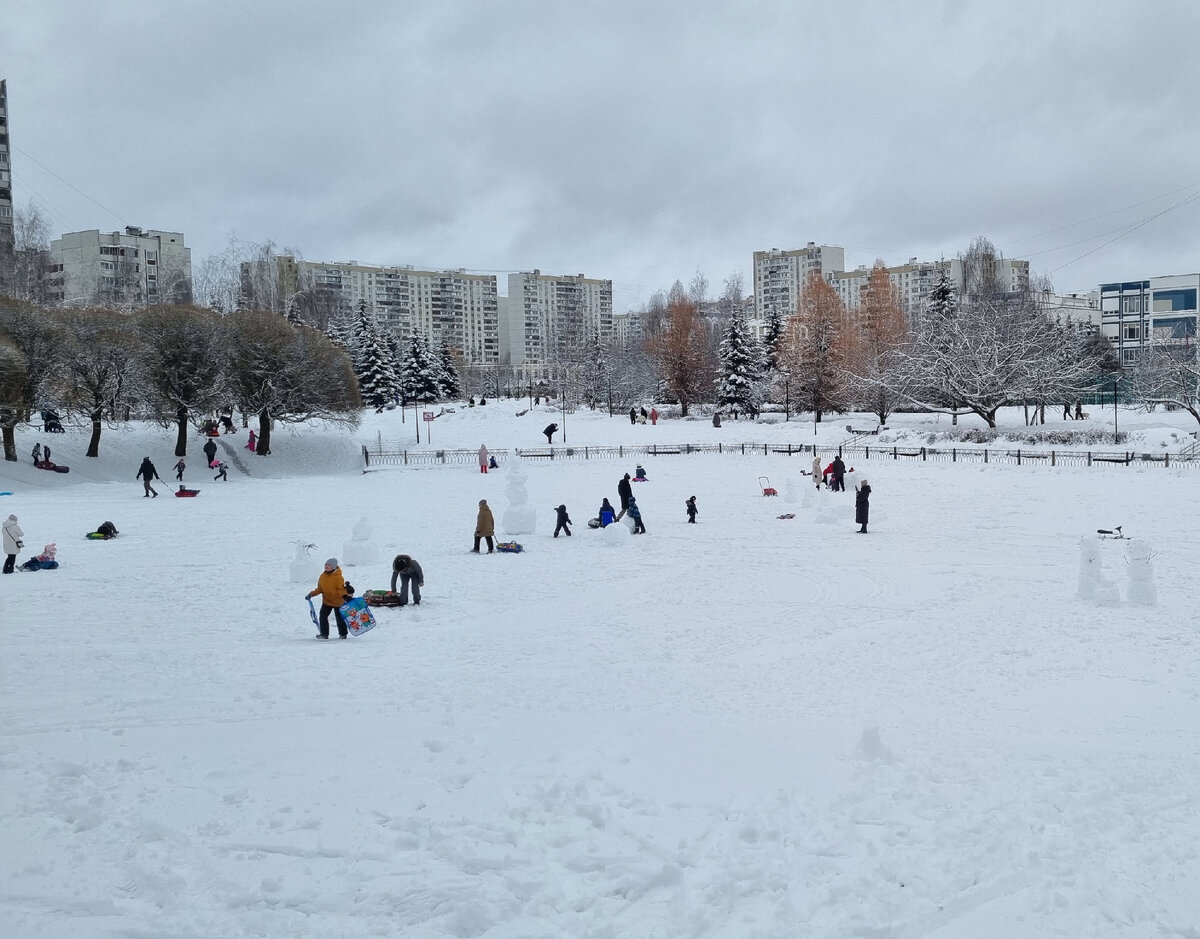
(739, 385)
(449, 382)
(593, 371)
(771, 338)
(876, 347)
(422, 371)
(378, 382)
(100, 369)
(36, 342)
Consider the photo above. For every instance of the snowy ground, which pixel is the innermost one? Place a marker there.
(748, 727)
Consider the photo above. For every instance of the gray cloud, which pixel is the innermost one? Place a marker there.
(627, 140)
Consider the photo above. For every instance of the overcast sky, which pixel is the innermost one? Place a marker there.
(639, 141)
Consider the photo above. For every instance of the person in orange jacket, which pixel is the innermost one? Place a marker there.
(331, 585)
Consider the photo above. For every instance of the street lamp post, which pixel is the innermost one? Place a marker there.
(1116, 432)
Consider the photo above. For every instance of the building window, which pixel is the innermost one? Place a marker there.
(1131, 304)
(1173, 301)
(1131, 332)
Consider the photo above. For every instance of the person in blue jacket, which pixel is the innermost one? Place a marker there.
(636, 514)
(607, 513)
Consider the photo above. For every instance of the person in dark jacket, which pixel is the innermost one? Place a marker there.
(691, 509)
(37, 454)
(563, 521)
(408, 571)
(210, 451)
(633, 415)
(838, 483)
(636, 514)
(606, 514)
(222, 470)
(625, 491)
(862, 505)
(549, 432)
(179, 468)
(146, 472)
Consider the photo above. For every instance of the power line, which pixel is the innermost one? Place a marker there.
(68, 183)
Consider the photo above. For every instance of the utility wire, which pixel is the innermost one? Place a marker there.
(68, 183)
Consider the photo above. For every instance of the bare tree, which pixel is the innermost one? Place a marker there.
(99, 370)
(1167, 372)
(876, 345)
(682, 352)
(39, 340)
(812, 352)
(28, 276)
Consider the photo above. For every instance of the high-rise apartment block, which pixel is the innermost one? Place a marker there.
(6, 199)
(547, 317)
(451, 306)
(780, 276)
(134, 267)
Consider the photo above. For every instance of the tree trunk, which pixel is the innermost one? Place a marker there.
(181, 417)
(93, 449)
(683, 408)
(263, 445)
(10, 442)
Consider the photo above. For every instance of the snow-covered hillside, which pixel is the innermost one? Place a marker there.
(747, 727)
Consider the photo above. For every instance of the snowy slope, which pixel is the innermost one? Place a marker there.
(748, 727)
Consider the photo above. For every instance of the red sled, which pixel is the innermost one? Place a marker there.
(765, 485)
(186, 493)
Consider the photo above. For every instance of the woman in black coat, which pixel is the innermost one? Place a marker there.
(862, 505)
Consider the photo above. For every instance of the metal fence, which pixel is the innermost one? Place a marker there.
(384, 455)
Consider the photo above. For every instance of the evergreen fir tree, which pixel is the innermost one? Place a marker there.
(448, 380)
(770, 341)
(942, 300)
(378, 382)
(739, 386)
(421, 371)
(594, 372)
(341, 332)
(292, 313)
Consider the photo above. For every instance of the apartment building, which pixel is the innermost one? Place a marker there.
(780, 276)
(1135, 313)
(452, 306)
(6, 197)
(547, 316)
(914, 280)
(135, 267)
(627, 330)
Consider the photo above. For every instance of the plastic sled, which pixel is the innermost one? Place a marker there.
(358, 616)
(509, 547)
(787, 515)
(381, 598)
(186, 493)
(765, 485)
(593, 523)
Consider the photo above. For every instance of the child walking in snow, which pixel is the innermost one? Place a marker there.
(563, 521)
(691, 509)
(179, 468)
(222, 470)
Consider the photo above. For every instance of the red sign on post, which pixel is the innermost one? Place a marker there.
(427, 415)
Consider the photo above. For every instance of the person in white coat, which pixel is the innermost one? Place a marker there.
(483, 458)
(816, 471)
(12, 543)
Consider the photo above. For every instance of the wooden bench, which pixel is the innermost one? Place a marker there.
(861, 433)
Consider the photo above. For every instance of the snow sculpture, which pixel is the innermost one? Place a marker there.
(1089, 566)
(1141, 590)
(616, 535)
(870, 747)
(304, 568)
(360, 549)
(520, 518)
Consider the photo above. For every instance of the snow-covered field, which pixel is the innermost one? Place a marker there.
(747, 727)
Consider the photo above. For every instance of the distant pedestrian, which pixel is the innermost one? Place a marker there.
(331, 585)
(862, 505)
(549, 432)
(839, 475)
(146, 472)
(691, 509)
(483, 458)
(37, 454)
(485, 527)
(816, 471)
(640, 473)
(633, 415)
(563, 521)
(210, 452)
(179, 468)
(636, 514)
(12, 543)
(606, 514)
(222, 469)
(827, 473)
(492, 464)
(716, 418)
(654, 416)
(46, 453)
(625, 491)
(252, 442)
(409, 572)
(482, 401)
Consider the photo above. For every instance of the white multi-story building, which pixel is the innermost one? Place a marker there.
(547, 316)
(627, 329)
(134, 267)
(780, 276)
(451, 306)
(1135, 313)
(914, 280)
